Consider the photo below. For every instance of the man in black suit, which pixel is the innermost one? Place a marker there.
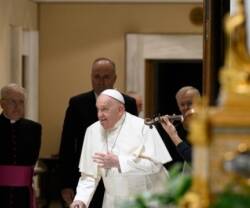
(80, 114)
(20, 141)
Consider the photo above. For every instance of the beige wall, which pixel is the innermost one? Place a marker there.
(13, 13)
(73, 35)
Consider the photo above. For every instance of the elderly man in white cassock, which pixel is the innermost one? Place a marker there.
(120, 148)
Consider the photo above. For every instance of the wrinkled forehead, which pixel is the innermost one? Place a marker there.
(186, 99)
(189, 94)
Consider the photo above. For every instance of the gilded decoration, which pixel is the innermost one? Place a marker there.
(221, 135)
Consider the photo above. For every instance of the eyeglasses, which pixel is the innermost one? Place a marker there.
(187, 104)
(12, 102)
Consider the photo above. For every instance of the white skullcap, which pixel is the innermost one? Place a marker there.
(114, 94)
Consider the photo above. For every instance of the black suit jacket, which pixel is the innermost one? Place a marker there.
(80, 114)
(19, 145)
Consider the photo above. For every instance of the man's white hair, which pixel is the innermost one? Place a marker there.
(11, 87)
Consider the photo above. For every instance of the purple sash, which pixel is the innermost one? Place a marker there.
(18, 176)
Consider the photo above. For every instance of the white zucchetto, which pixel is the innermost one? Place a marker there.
(114, 94)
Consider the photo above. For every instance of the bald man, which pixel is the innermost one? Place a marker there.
(80, 114)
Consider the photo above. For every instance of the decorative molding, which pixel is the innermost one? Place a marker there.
(24, 66)
(140, 47)
(118, 1)
(31, 74)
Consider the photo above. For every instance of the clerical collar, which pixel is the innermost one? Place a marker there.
(11, 121)
(118, 123)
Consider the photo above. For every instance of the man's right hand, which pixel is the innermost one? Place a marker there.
(77, 204)
(68, 195)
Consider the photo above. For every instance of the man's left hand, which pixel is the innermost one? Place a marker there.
(106, 160)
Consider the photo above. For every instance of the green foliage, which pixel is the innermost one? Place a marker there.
(236, 195)
(177, 185)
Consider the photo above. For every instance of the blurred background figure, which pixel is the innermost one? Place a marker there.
(19, 149)
(139, 102)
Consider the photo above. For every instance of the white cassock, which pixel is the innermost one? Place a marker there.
(141, 153)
